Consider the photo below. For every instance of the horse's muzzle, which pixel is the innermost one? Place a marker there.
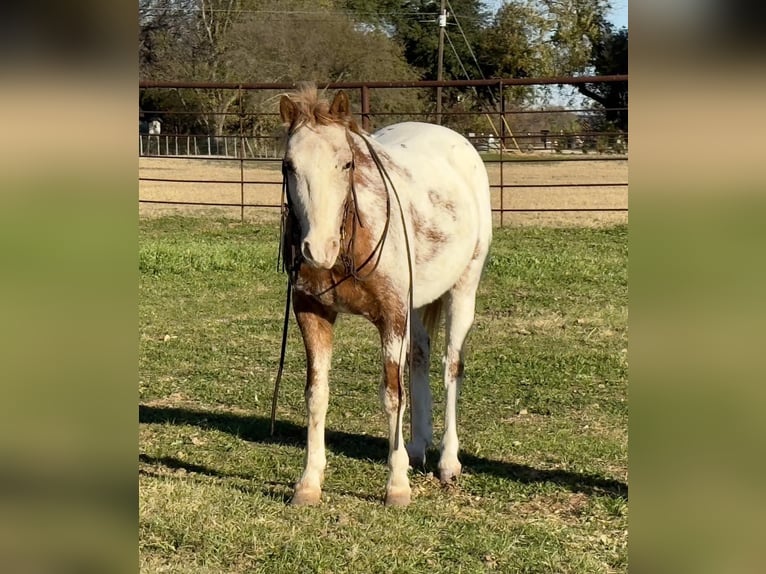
(320, 254)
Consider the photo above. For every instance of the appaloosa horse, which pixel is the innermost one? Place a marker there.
(394, 226)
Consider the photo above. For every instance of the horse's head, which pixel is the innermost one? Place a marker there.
(317, 164)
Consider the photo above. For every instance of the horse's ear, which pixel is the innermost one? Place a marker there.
(287, 110)
(340, 106)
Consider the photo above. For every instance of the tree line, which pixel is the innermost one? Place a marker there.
(364, 40)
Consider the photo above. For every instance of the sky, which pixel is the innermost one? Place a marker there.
(619, 15)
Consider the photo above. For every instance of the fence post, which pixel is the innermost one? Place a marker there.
(366, 108)
(502, 148)
(242, 156)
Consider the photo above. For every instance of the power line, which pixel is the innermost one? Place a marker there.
(465, 39)
(476, 93)
(454, 51)
(475, 60)
(423, 17)
(440, 58)
(291, 12)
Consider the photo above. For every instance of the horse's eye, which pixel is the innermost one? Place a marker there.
(347, 165)
(288, 165)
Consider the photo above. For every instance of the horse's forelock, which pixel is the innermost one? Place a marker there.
(314, 110)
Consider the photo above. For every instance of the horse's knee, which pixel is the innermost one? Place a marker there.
(393, 400)
(393, 394)
(456, 369)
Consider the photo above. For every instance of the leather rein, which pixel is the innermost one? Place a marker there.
(290, 258)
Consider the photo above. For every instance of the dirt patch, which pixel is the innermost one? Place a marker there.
(260, 184)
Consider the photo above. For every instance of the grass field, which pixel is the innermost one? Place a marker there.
(542, 417)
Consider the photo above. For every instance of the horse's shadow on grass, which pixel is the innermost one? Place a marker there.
(362, 447)
(275, 490)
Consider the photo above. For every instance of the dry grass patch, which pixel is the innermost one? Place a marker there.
(566, 507)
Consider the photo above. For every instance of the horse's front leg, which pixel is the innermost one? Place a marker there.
(316, 325)
(395, 342)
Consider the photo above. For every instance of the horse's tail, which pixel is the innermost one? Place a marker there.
(431, 316)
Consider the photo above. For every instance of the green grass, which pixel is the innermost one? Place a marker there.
(542, 417)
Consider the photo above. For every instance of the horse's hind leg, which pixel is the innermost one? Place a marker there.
(420, 418)
(461, 304)
(315, 323)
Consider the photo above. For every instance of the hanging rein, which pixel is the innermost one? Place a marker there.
(290, 258)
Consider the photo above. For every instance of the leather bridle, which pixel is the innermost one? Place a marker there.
(290, 253)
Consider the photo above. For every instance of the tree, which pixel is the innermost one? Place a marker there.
(514, 44)
(162, 23)
(378, 14)
(610, 57)
(195, 45)
(586, 43)
(559, 38)
(333, 40)
(159, 18)
(415, 27)
(268, 41)
(577, 26)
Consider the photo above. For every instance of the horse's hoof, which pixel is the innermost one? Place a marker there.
(418, 461)
(401, 498)
(417, 458)
(449, 473)
(306, 497)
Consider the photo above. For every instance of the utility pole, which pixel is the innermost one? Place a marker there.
(440, 64)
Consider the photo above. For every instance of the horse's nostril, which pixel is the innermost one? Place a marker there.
(320, 254)
(306, 250)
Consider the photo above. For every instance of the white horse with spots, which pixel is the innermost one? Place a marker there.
(356, 204)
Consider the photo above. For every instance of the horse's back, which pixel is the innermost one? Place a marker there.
(432, 152)
(425, 143)
(446, 185)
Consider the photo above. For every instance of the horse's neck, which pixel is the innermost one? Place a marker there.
(373, 186)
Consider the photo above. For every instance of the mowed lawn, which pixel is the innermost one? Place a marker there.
(543, 416)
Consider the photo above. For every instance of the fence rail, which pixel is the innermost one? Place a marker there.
(500, 146)
(227, 146)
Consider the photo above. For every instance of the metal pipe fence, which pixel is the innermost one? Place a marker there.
(206, 146)
(237, 144)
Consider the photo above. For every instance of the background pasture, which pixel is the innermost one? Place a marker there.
(542, 415)
(546, 172)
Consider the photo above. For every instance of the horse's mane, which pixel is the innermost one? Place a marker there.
(314, 109)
